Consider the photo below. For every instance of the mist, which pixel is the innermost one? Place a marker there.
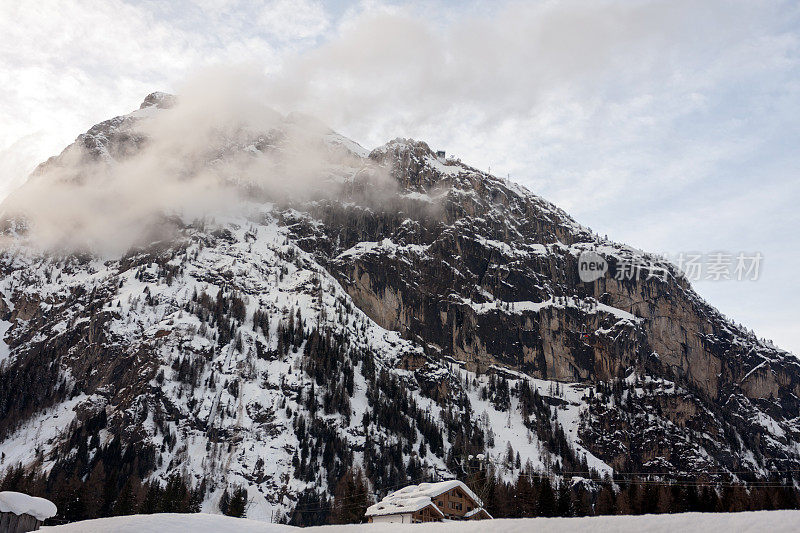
(207, 154)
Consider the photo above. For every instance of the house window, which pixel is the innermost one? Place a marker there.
(440, 503)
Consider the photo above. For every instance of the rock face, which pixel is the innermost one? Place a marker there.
(440, 312)
(494, 280)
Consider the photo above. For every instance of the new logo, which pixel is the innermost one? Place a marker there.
(591, 266)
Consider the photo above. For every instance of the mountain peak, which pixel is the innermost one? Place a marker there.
(413, 163)
(159, 99)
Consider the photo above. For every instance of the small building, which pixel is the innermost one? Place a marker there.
(440, 155)
(429, 502)
(20, 513)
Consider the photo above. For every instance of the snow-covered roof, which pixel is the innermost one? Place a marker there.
(432, 490)
(18, 503)
(401, 505)
(415, 497)
(473, 512)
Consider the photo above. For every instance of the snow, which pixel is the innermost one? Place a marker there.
(42, 430)
(18, 503)
(386, 246)
(476, 511)
(435, 489)
(272, 275)
(749, 522)
(509, 427)
(770, 424)
(448, 168)
(414, 195)
(352, 146)
(390, 506)
(589, 306)
(145, 112)
(754, 369)
(169, 523)
(5, 350)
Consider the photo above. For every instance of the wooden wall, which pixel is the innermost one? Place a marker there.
(428, 514)
(453, 505)
(13, 523)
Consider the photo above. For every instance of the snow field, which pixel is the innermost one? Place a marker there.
(751, 522)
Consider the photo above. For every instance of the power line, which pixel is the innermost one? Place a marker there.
(664, 474)
(563, 475)
(665, 482)
(398, 485)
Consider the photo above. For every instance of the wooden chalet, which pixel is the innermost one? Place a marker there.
(429, 502)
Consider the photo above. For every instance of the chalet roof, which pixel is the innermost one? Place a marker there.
(433, 490)
(473, 512)
(400, 506)
(415, 497)
(19, 504)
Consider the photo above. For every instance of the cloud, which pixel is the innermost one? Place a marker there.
(209, 154)
(292, 20)
(66, 65)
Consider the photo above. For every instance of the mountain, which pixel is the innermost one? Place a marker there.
(407, 315)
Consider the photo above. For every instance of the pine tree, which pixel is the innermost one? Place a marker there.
(126, 503)
(351, 498)
(238, 503)
(225, 502)
(547, 501)
(564, 507)
(606, 501)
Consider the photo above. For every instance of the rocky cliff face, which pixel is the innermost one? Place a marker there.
(492, 278)
(396, 325)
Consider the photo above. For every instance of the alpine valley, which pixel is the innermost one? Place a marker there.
(410, 319)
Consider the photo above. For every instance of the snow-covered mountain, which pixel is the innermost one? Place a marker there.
(421, 326)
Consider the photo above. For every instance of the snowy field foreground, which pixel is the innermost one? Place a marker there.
(771, 521)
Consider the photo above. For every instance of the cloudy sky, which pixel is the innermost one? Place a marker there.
(673, 126)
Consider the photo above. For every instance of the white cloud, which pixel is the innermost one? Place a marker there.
(66, 65)
(291, 20)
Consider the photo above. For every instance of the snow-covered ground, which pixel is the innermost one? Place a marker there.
(772, 521)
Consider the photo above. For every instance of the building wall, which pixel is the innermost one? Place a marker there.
(453, 505)
(12, 523)
(392, 519)
(428, 514)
